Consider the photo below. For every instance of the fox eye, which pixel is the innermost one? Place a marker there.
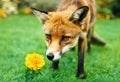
(65, 38)
(48, 36)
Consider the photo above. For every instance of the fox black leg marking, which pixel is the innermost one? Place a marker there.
(55, 64)
(81, 49)
(73, 49)
(90, 32)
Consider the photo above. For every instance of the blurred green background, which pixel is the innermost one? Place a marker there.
(105, 8)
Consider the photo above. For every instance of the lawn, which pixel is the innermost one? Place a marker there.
(21, 34)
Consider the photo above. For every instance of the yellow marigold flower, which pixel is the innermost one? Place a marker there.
(34, 61)
(27, 10)
(2, 13)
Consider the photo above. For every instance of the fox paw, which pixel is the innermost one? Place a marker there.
(81, 76)
(54, 67)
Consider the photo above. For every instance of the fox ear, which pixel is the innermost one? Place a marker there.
(79, 14)
(41, 15)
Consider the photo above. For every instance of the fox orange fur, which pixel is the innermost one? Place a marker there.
(70, 24)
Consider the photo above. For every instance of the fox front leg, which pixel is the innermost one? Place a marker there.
(55, 65)
(81, 50)
(90, 32)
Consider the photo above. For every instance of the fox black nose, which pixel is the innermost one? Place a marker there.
(50, 56)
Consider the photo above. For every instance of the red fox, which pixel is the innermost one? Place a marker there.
(71, 23)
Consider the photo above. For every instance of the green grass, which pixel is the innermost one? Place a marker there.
(20, 35)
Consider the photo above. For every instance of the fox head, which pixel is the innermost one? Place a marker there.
(62, 30)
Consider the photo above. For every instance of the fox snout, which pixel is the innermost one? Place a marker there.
(53, 56)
